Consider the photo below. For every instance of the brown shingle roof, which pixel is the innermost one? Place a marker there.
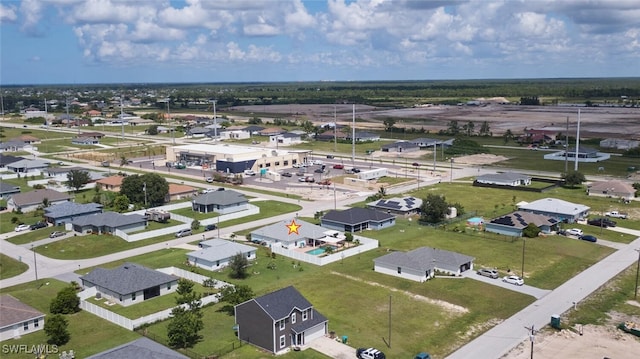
(13, 311)
(36, 197)
(111, 181)
(175, 188)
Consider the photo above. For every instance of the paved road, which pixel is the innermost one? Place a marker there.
(497, 341)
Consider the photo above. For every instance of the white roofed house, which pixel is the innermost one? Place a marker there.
(504, 179)
(307, 234)
(561, 210)
(217, 253)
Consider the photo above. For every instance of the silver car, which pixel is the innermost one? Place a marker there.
(491, 273)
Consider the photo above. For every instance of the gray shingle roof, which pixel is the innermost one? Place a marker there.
(554, 205)
(280, 303)
(404, 204)
(13, 311)
(8, 188)
(36, 197)
(520, 219)
(400, 144)
(143, 348)
(128, 278)
(6, 159)
(221, 198)
(218, 249)
(424, 258)
(108, 219)
(280, 231)
(357, 215)
(68, 209)
(29, 164)
(508, 176)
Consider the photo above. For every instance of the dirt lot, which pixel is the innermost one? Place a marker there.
(595, 121)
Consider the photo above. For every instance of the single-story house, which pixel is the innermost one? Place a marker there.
(217, 253)
(108, 222)
(253, 130)
(306, 234)
(111, 183)
(505, 179)
(612, 189)
(285, 138)
(272, 131)
(279, 320)
(17, 318)
(620, 144)
(7, 190)
(140, 122)
(28, 139)
(331, 135)
(561, 210)
(27, 166)
(363, 137)
(85, 141)
(514, 223)
(400, 146)
(357, 219)
(396, 205)
(129, 284)
(422, 263)
(233, 134)
(221, 202)
(7, 159)
(143, 348)
(64, 212)
(30, 201)
(96, 135)
(199, 132)
(180, 191)
(585, 154)
(13, 146)
(429, 143)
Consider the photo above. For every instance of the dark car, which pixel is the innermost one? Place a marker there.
(355, 170)
(287, 174)
(588, 238)
(210, 227)
(602, 222)
(330, 156)
(38, 225)
(318, 170)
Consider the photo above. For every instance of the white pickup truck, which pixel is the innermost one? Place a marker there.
(616, 214)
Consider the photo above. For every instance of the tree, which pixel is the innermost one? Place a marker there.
(195, 225)
(389, 122)
(65, 302)
(308, 127)
(123, 160)
(434, 209)
(452, 128)
(235, 295)
(77, 179)
(531, 231)
(508, 135)
(121, 203)
(183, 330)
(573, 178)
(469, 128)
(56, 329)
(485, 129)
(152, 130)
(238, 266)
(156, 189)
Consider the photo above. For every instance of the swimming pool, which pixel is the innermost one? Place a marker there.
(475, 221)
(317, 251)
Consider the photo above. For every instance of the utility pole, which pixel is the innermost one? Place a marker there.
(215, 122)
(353, 136)
(532, 337)
(335, 131)
(566, 148)
(575, 167)
(35, 263)
(144, 189)
(524, 242)
(635, 296)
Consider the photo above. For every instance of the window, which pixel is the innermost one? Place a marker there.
(169, 286)
(133, 296)
(286, 163)
(277, 163)
(293, 318)
(399, 270)
(217, 263)
(304, 315)
(25, 325)
(283, 341)
(282, 324)
(36, 323)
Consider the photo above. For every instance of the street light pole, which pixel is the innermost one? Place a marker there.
(35, 263)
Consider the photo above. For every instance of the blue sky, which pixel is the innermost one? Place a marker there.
(115, 41)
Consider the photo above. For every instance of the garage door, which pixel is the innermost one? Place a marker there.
(313, 333)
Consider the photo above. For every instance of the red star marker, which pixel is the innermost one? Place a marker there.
(293, 227)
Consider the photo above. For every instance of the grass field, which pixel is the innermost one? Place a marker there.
(11, 267)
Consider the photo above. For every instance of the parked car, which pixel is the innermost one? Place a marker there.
(338, 166)
(330, 156)
(602, 222)
(38, 225)
(183, 233)
(369, 353)
(318, 170)
(56, 234)
(575, 232)
(22, 227)
(513, 279)
(209, 179)
(287, 174)
(249, 173)
(588, 238)
(355, 170)
(2, 208)
(210, 227)
(491, 273)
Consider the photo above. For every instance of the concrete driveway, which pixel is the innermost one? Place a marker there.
(332, 348)
(525, 289)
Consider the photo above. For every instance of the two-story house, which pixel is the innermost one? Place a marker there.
(279, 320)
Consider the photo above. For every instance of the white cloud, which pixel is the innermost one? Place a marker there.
(31, 11)
(7, 13)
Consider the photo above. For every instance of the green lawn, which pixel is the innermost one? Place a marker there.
(10, 267)
(188, 212)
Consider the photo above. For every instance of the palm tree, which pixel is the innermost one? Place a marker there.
(123, 160)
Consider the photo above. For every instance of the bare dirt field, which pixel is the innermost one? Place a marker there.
(595, 121)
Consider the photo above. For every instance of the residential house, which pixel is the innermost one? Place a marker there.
(7, 190)
(279, 320)
(331, 135)
(561, 210)
(178, 192)
(228, 134)
(540, 136)
(363, 137)
(198, 132)
(143, 348)
(85, 141)
(272, 131)
(400, 147)
(222, 202)
(112, 183)
(13, 146)
(514, 223)
(585, 154)
(66, 212)
(28, 166)
(140, 122)
(396, 205)
(30, 201)
(217, 253)
(613, 189)
(307, 234)
(357, 219)
(619, 144)
(285, 139)
(17, 318)
(253, 130)
(129, 284)
(28, 139)
(6, 159)
(108, 223)
(429, 143)
(421, 264)
(504, 179)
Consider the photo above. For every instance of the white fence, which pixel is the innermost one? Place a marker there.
(366, 244)
(131, 324)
